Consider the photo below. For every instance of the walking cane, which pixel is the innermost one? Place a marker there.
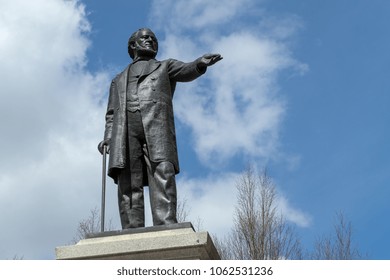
(102, 213)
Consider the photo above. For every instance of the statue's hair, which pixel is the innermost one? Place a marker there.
(132, 39)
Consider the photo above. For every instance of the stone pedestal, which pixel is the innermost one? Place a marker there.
(173, 242)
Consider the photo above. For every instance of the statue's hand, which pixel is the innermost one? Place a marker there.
(210, 59)
(105, 142)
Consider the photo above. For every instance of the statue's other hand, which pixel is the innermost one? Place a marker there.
(210, 59)
(105, 142)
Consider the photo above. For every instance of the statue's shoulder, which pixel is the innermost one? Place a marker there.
(168, 61)
(164, 61)
(121, 74)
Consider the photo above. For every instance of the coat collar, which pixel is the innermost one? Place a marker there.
(150, 67)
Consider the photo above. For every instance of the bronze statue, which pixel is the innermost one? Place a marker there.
(140, 131)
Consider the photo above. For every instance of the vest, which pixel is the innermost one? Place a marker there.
(135, 71)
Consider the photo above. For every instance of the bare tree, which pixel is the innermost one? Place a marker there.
(337, 246)
(90, 225)
(260, 231)
(18, 258)
(182, 210)
(182, 214)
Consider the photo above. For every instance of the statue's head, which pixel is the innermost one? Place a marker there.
(143, 43)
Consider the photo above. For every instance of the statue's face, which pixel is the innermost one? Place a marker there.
(145, 44)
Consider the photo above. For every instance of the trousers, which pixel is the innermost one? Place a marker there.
(160, 176)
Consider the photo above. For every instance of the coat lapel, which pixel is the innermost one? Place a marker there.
(150, 67)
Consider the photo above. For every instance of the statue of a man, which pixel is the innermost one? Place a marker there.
(140, 131)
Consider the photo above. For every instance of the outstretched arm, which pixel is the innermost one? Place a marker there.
(186, 72)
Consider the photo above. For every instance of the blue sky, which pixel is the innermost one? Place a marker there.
(302, 89)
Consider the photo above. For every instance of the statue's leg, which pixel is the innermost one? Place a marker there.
(162, 191)
(131, 199)
(130, 184)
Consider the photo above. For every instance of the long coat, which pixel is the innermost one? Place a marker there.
(156, 86)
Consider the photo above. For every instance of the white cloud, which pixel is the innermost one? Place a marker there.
(292, 214)
(245, 113)
(197, 14)
(210, 199)
(50, 123)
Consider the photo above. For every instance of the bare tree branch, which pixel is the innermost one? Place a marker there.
(182, 210)
(90, 225)
(260, 231)
(337, 246)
